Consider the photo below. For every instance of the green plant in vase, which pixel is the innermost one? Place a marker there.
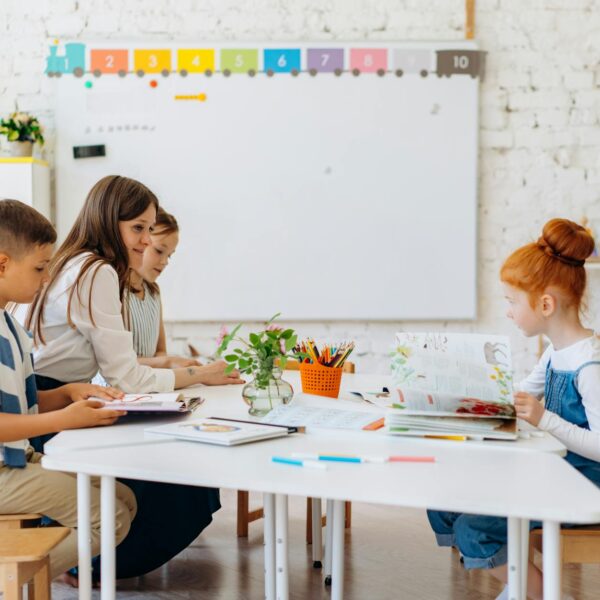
(263, 356)
(22, 130)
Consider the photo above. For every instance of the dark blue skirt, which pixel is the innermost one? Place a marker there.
(169, 518)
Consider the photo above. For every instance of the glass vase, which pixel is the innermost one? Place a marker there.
(263, 397)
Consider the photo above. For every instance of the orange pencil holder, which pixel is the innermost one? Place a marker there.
(319, 380)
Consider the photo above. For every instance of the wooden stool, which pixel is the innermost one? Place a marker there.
(18, 521)
(24, 559)
(580, 545)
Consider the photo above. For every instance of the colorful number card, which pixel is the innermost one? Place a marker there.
(239, 60)
(368, 60)
(109, 61)
(325, 60)
(195, 60)
(282, 60)
(152, 61)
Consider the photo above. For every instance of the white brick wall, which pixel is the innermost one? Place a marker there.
(540, 109)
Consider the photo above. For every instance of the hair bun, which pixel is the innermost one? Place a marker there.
(566, 240)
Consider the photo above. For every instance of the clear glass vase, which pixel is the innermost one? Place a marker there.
(263, 397)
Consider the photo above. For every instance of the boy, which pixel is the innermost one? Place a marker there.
(26, 245)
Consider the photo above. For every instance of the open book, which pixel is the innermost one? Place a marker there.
(151, 403)
(452, 384)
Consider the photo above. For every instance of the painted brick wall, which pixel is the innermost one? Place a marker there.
(540, 110)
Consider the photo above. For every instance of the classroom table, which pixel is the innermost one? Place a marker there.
(225, 401)
(459, 467)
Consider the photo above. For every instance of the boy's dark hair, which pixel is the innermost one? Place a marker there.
(22, 228)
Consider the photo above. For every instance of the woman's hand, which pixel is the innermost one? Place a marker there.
(528, 408)
(214, 374)
(76, 392)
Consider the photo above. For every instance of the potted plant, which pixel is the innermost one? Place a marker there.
(263, 356)
(22, 131)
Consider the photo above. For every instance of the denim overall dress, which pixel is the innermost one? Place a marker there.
(482, 540)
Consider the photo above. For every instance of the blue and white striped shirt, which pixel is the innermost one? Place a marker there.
(18, 393)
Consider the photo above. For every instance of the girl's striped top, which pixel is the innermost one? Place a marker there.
(144, 321)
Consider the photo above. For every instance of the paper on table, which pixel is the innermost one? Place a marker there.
(330, 418)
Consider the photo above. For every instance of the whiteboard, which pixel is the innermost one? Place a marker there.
(327, 196)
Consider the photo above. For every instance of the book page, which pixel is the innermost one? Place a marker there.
(450, 373)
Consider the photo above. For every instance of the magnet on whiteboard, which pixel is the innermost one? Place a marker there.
(122, 72)
(77, 71)
(399, 72)
(97, 72)
(183, 72)
(337, 72)
(381, 72)
(208, 72)
(140, 72)
(294, 72)
(227, 72)
(313, 72)
(270, 73)
(251, 72)
(165, 72)
(355, 72)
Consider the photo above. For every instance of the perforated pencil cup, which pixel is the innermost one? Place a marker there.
(319, 380)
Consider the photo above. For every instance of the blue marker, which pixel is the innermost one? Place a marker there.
(313, 464)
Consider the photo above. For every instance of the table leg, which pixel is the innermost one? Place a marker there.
(524, 556)
(317, 538)
(328, 541)
(107, 538)
(337, 554)
(514, 558)
(281, 546)
(84, 542)
(269, 536)
(552, 562)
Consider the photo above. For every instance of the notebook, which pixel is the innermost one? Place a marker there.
(452, 384)
(216, 431)
(153, 403)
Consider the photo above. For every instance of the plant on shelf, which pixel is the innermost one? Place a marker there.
(263, 355)
(22, 130)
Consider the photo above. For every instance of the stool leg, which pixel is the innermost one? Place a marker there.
(12, 587)
(243, 504)
(309, 524)
(41, 582)
(348, 515)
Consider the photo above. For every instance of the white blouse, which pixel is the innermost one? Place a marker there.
(76, 354)
(581, 441)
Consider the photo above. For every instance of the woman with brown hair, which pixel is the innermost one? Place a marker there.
(79, 322)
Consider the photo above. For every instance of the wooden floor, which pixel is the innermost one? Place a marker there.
(390, 554)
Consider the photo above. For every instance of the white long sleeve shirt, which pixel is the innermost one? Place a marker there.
(77, 354)
(576, 439)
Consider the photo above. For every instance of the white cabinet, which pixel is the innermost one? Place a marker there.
(27, 180)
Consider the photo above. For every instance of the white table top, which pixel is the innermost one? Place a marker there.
(532, 485)
(226, 401)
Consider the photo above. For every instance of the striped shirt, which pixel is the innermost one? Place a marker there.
(144, 322)
(18, 394)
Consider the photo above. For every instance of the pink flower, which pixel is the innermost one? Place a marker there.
(222, 333)
(274, 327)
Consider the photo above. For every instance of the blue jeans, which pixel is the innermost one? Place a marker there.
(481, 540)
